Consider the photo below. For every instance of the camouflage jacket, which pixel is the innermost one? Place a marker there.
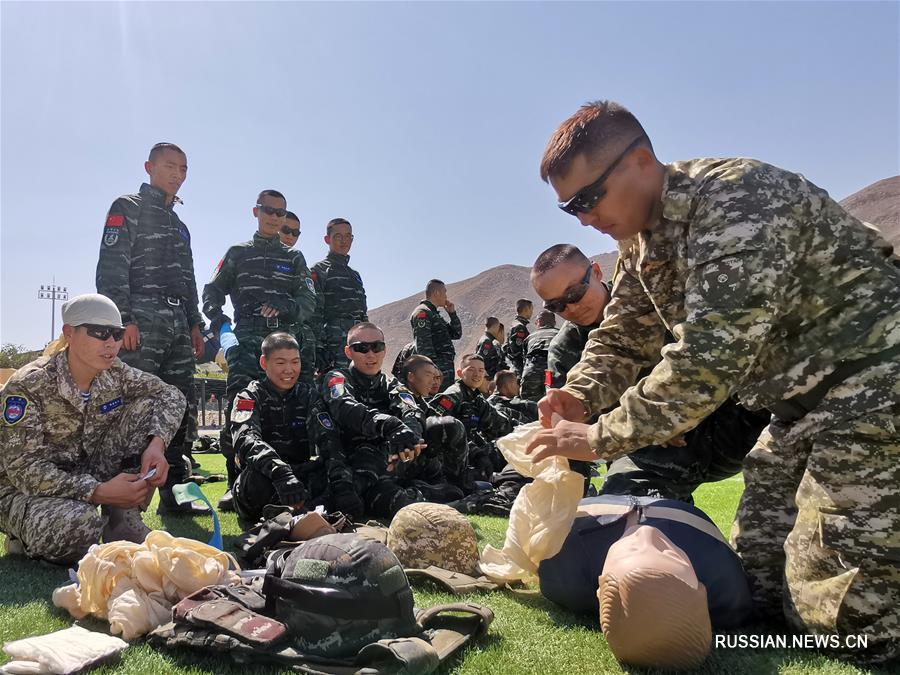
(767, 285)
(433, 336)
(279, 434)
(367, 409)
(341, 293)
(537, 349)
(489, 350)
(515, 344)
(49, 436)
(146, 250)
(257, 272)
(517, 409)
(471, 408)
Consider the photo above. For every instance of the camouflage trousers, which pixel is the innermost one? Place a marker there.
(818, 525)
(331, 348)
(381, 491)
(166, 351)
(253, 491)
(713, 450)
(60, 529)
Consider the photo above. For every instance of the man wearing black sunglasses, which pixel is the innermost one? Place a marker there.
(777, 296)
(82, 429)
(270, 289)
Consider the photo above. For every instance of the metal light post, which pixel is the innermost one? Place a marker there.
(53, 293)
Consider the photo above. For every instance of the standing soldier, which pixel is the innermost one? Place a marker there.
(515, 342)
(431, 334)
(270, 290)
(537, 345)
(306, 335)
(146, 267)
(342, 298)
(488, 347)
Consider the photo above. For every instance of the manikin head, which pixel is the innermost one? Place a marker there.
(653, 609)
(365, 348)
(570, 284)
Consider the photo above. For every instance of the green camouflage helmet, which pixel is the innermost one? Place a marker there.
(434, 534)
(339, 592)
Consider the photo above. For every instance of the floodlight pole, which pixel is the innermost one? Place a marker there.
(52, 292)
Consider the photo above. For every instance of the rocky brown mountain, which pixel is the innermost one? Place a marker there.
(879, 204)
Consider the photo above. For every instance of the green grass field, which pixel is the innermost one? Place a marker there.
(529, 634)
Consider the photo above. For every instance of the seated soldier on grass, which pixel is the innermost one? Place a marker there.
(81, 429)
(506, 399)
(380, 427)
(279, 427)
(490, 345)
(464, 401)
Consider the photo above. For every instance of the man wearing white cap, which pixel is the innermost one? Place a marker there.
(81, 429)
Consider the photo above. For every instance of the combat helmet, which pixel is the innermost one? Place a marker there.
(340, 592)
(427, 534)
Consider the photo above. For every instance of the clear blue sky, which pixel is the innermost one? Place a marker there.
(423, 124)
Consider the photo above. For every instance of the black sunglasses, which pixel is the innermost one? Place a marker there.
(293, 233)
(366, 347)
(272, 210)
(103, 333)
(572, 294)
(587, 197)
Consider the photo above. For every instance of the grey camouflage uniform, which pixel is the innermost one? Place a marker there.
(146, 267)
(433, 337)
(55, 449)
(536, 348)
(515, 345)
(342, 303)
(770, 288)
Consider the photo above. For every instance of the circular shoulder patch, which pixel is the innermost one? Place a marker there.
(723, 281)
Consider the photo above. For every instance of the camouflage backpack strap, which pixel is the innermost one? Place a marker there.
(455, 625)
(456, 582)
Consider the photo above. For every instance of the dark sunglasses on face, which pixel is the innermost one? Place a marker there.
(272, 211)
(587, 197)
(288, 231)
(572, 295)
(366, 347)
(103, 333)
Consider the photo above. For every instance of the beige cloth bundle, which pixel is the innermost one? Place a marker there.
(133, 586)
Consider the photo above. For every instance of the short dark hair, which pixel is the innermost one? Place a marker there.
(491, 321)
(546, 319)
(467, 358)
(522, 303)
(414, 364)
(361, 326)
(432, 286)
(504, 376)
(290, 215)
(556, 255)
(596, 126)
(276, 341)
(336, 221)
(160, 148)
(270, 193)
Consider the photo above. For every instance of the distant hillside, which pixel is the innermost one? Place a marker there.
(879, 204)
(492, 293)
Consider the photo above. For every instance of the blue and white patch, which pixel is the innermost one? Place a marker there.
(325, 421)
(282, 267)
(408, 398)
(475, 419)
(14, 409)
(110, 236)
(310, 285)
(183, 231)
(110, 405)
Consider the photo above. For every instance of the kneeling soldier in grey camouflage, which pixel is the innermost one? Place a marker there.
(81, 429)
(279, 427)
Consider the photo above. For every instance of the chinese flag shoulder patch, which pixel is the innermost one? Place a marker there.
(244, 404)
(337, 379)
(421, 315)
(445, 403)
(115, 220)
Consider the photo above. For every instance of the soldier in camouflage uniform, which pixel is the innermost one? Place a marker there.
(482, 421)
(342, 298)
(74, 435)
(537, 347)
(506, 399)
(146, 267)
(777, 295)
(432, 335)
(518, 333)
(270, 289)
(488, 347)
(380, 426)
(282, 435)
(305, 330)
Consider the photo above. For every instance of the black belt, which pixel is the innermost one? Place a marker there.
(173, 300)
(262, 322)
(796, 407)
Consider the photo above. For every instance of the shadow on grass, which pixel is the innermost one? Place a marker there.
(28, 580)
